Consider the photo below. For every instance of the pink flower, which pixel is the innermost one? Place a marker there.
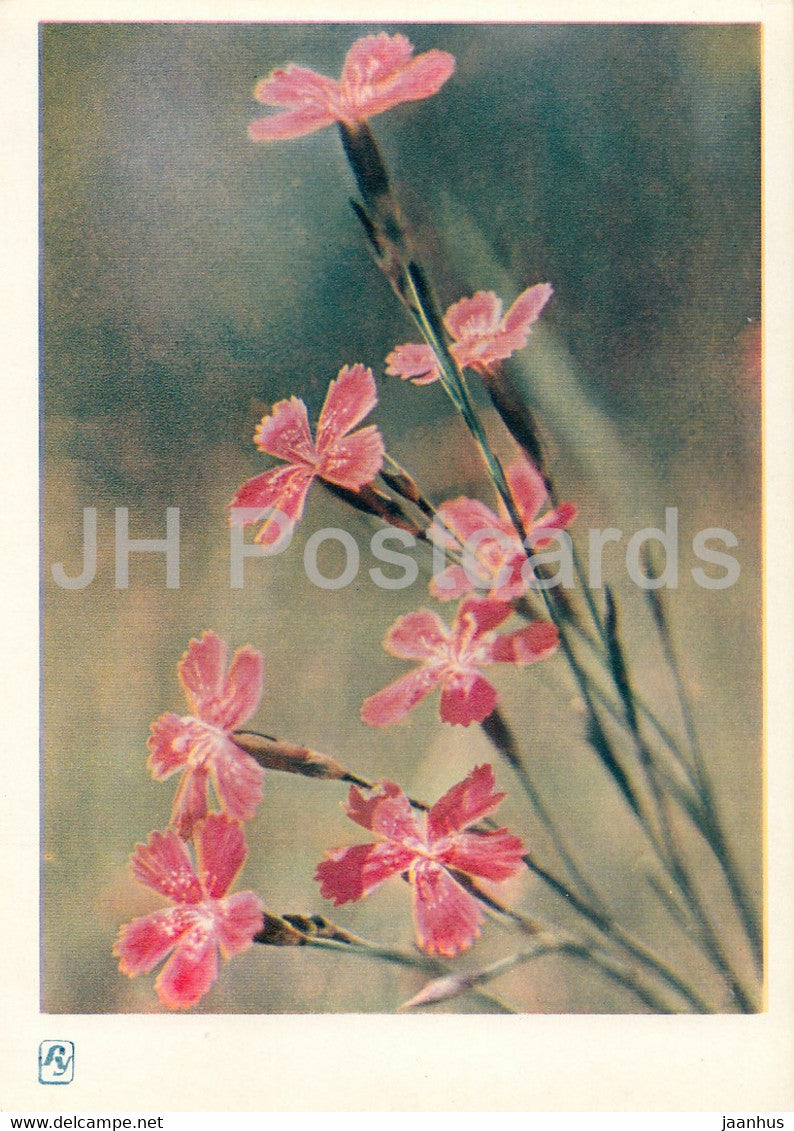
(203, 917)
(494, 548)
(480, 335)
(429, 850)
(347, 460)
(378, 73)
(200, 744)
(451, 659)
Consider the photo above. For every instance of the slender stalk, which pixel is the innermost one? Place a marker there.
(452, 986)
(643, 708)
(598, 737)
(699, 805)
(508, 403)
(610, 927)
(671, 853)
(347, 943)
(502, 738)
(693, 802)
(532, 926)
(519, 419)
(386, 232)
(714, 832)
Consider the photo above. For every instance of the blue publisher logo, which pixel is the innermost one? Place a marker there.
(56, 1062)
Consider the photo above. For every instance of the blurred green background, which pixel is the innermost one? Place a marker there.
(191, 278)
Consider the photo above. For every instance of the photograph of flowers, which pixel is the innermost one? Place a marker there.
(401, 434)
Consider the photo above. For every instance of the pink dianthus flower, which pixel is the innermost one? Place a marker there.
(496, 549)
(379, 72)
(200, 744)
(451, 658)
(480, 335)
(343, 459)
(429, 851)
(203, 918)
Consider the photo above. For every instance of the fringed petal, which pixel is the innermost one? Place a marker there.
(277, 496)
(220, 853)
(411, 362)
(472, 318)
(170, 743)
(380, 73)
(242, 689)
(290, 124)
(355, 460)
(385, 811)
(348, 874)
(145, 942)
(422, 78)
(464, 804)
(163, 864)
(240, 917)
(527, 308)
(350, 398)
(202, 672)
(495, 855)
(393, 703)
(286, 434)
(310, 99)
(238, 780)
(446, 917)
(466, 697)
(466, 519)
(191, 970)
(374, 59)
(525, 646)
(527, 488)
(420, 635)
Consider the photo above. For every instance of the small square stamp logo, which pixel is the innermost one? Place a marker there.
(56, 1062)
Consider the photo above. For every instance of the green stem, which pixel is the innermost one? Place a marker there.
(365, 949)
(544, 945)
(672, 856)
(501, 736)
(713, 831)
(610, 929)
(386, 232)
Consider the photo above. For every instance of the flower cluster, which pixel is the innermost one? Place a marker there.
(446, 851)
(203, 918)
(449, 658)
(195, 862)
(485, 562)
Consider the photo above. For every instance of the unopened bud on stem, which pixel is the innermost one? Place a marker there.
(273, 754)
